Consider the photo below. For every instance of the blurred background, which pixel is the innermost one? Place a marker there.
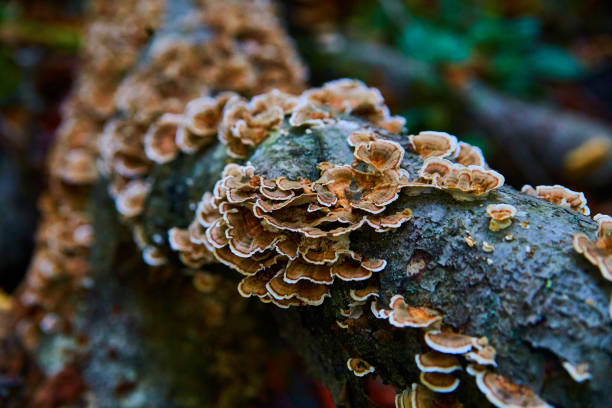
(528, 81)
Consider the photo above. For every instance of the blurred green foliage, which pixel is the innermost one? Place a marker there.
(506, 51)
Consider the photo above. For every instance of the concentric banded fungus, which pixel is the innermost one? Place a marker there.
(439, 382)
(579, 373)
(559, 195)
(130, 200)
(505, 394)
(359, 367)
(364, 294)
(484, 356)
(246, 124)
(403, 315)
(469, 155)
(433, 144)
(299, 229)
(435, 362)
(462, 182)
(349, 96)
(598, 253)
(452, 343)
(421, 397)
(501, 216)
(160, 139)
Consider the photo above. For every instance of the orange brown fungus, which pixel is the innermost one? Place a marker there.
(469, 155)
(435, 362)
(111, 47)
(402, 315)
(439, 382)
(463, 182)
(290, 238)
(245, 124)
(505, 394)
(419, 396)
(501, 216)
(599, 253)
(359, 367)
(433, 144)
(559, 195)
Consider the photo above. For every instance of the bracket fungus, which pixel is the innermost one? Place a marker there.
(436, 362)
(439, 382)
(598, 253)
(291, 237)
(505, 394)
(402, 315)
(433, 144)
(359, 367)
(418, 396)
(464, 183)
(453, 343)
(501, 216)
(559, 195)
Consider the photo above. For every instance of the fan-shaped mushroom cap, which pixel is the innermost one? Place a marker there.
(505, 394)
(378, 312)
(439, 382)
(307, 113)
(599, 253)
(579, 372)
(203, 115)
(469, 155)
(435, 362)
(160, 139)
(130, 200)
(484, 356)
(464, 182)
(364, 293)
(559, 195)
(308, 292)
(359, 367)
(299, 270)
(433, 144)
(419, 396)
(403, 315)
(380, 154)
(452, 343)
(501, 216)
(78, 166)
(153, 256)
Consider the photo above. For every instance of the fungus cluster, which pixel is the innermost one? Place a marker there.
(290, 238)
(559, 195)
(176, 101)
(599, 253)
(359, 367)
(501, 216)
(418, 396)
(59, 264)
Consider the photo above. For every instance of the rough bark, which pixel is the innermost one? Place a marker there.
(531, 296)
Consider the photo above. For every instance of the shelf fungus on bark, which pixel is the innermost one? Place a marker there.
(559, 195)
(501, 216)
(418, 396)
(464, 183)
(246, 124)
(359, 367)
(160, 139)
(453, 343)
(291, 237)
(469, 155)
(433, 144)
(403, 315)
(599, 253)
(504, 394)
(579, 373)
(439, 382)
(436, 362)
